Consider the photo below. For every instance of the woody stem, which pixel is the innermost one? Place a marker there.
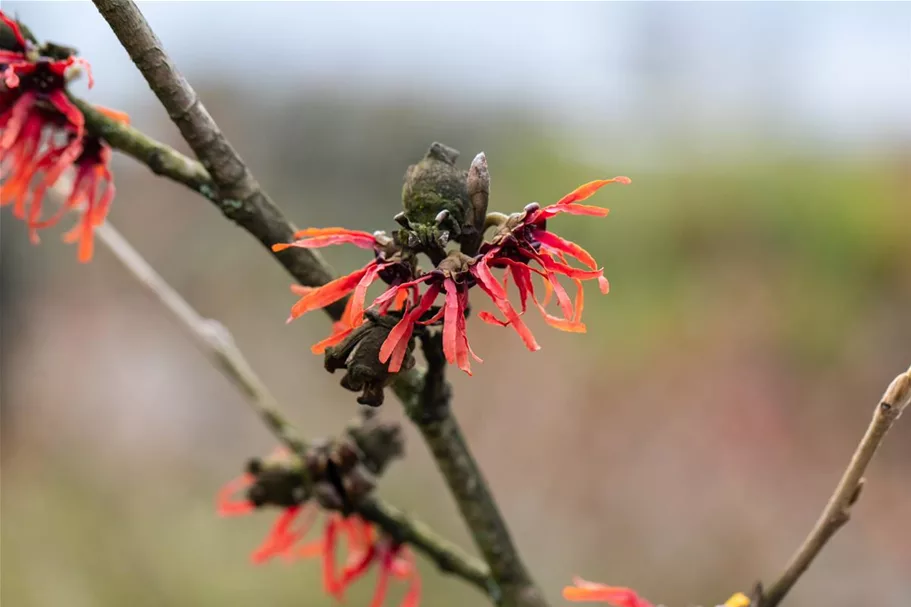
(430, 410)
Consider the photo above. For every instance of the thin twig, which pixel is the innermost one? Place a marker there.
(838, 511)
(216, 342)
(237, 193)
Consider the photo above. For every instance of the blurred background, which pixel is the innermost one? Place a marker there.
(761, 296)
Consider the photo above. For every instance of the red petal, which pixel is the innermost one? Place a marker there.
(397, 340)
(337, 337)
(491, 319)
(513, 318)
(588, 189)
(552, 241)
(311, 232)
(382, 581)
(17, 117)
(20, 40)
(355, 309)
(226, 505)
(450, 321)
(280, 537)
(329, 293)
(617, 596)
(325, 241)
(331, 583)
(350, 574)
(60, 101)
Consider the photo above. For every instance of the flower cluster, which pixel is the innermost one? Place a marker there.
(583, 591)
(43, 136)
(276, 482)
(521, 246)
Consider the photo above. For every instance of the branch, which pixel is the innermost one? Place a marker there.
(430, 411)
(236, 191)
(214, 340)
(838, 511)
(242, 199)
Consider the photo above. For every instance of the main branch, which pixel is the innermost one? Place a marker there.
(241, 198)
(838, 511)
(430, 410)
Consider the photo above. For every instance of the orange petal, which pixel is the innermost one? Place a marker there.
(328, 293)
(615, 596)
(117, 115)
(587, 190)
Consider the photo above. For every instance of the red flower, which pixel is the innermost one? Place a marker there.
(588, 592)
(34, 112)
(92, 191)
(363, 544)
(524, 238)
(354, 284)
(522, 246)
(396, 562)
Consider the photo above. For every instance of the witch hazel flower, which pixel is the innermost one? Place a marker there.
(43, 137)
(445, 219)
(363, 544)
(583, 591)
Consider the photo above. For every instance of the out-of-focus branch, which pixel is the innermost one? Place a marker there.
(215, 341)
(430, 411)
(838, 511)
(236, 192)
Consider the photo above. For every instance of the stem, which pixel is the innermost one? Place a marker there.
(215, 341)
(431, 413)
(838, 511)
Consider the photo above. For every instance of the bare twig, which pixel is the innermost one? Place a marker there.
(237, 193)
(838, 511)
(431, 413)
(215, 341)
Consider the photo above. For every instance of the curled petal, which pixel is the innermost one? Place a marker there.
(552, 241)
(512, 318)
(314, 238)
(14, 26)
(382, 581)
(329, 293)
(397, 340)
(450, 320)
(280, 538)
(339, 333)
(331, 583)
(226, 505)
(587, 190)
(491, 319)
